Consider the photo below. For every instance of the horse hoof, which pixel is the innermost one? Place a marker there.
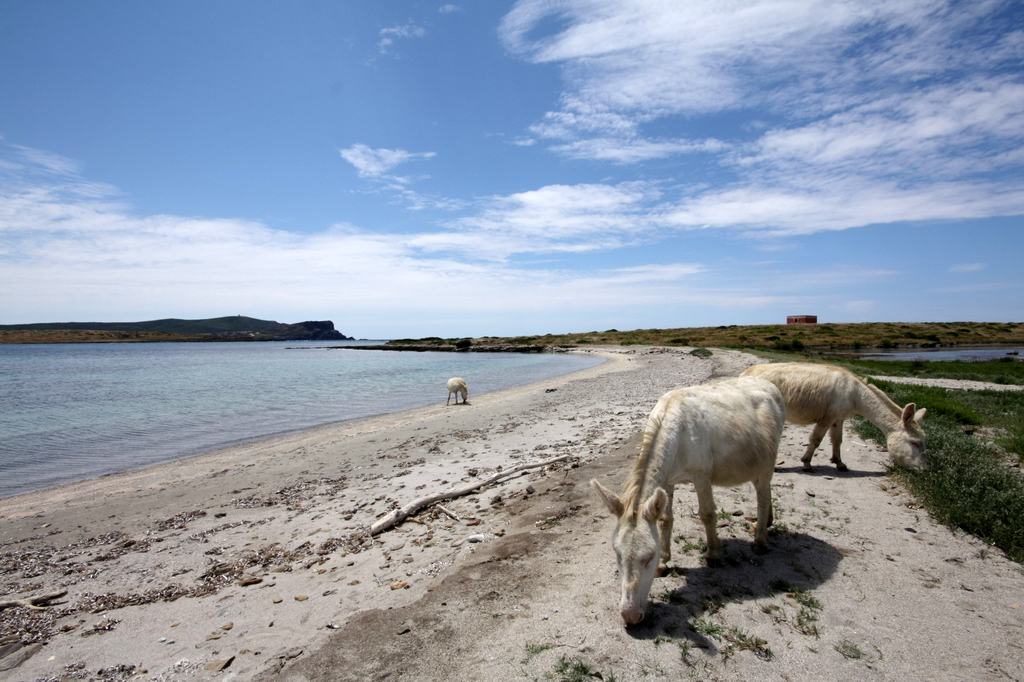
(760, 549)
(808, 467)
(712, 562)
(841, 467)
(662, 570)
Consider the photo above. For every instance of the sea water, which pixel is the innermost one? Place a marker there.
(69, 412)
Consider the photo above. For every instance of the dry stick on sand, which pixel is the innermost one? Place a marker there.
(37, 602)
(398, 515)
(448, 511)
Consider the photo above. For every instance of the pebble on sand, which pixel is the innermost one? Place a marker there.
(219, 664)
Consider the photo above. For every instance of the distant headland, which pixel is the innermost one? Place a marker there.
(234, 328)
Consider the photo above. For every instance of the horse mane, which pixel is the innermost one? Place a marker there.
(886, 400)
(634, 484)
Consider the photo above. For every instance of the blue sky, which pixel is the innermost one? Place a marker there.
(412, 169)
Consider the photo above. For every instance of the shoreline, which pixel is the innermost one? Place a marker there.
(221, 456)
(110, 448)
(277, 527)
(254, 562)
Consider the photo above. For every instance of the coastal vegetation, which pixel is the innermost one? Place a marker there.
(798, 337)
(811, 338)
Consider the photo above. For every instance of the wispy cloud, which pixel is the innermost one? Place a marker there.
(389, 35)
(968, 267)
(555, 218)
(375, 163)
(879, 111)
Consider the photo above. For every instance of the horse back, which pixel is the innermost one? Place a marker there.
(728, 431)
(813, 393)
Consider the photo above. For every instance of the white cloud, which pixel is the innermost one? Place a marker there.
(555, 218)
(375, 163)
(967, 267)
(879, 111)
(403, 31)
(832, 203)
(446, 9)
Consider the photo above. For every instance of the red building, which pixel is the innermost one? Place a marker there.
(802, 319)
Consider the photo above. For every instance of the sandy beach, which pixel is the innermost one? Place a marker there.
(255, 562)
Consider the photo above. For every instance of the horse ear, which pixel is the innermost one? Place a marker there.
(655, 505)
(610, 499)
(908, 413)
(919, 415)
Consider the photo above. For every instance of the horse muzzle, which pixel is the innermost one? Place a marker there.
(631, 613)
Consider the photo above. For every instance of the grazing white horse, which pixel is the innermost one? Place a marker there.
(826, 395)
(723, 433)
(457, 385)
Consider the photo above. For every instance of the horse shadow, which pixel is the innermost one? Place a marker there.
(796, 562)
(821, 470)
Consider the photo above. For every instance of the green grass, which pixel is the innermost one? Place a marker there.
(968, 483)
(849, 649)
(709, 629)
(575, 670)
(534, 649)
(994, 371)
(745, 642)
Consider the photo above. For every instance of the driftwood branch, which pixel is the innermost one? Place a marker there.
(448, 511)
(37, 602)
(396, 516)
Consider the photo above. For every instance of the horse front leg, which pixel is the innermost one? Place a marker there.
(665, 530)
(835, 434)
(816, 435)
(706, 511)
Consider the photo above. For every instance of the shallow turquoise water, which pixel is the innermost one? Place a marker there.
(74, 411)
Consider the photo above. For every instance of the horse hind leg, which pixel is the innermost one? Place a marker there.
(817, 434)
(835, 434)
(765, 513)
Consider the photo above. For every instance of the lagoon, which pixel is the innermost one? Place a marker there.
(972, 354)
(69, 412)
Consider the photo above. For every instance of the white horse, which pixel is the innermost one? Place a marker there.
(723, 433)
(826, 395)
(457, 385)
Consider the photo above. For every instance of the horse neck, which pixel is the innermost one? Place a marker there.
(650, 471)
(877, 408)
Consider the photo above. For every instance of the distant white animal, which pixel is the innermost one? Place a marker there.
(826, 395)
(457, 385)
(723, 433)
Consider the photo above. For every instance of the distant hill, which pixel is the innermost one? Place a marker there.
(235, 328)
(216, 325)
